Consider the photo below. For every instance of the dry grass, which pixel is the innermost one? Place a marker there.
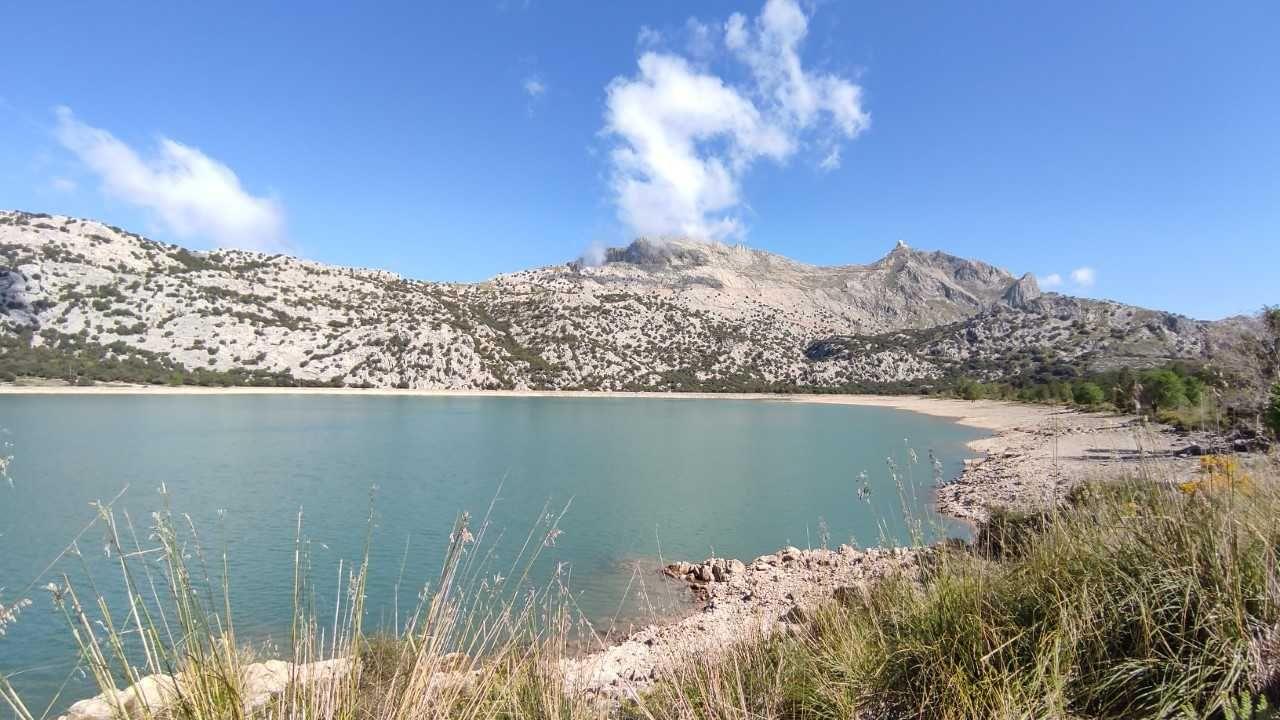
(475, 647)
(1135, 600)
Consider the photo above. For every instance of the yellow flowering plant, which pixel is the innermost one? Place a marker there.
(1218, 472)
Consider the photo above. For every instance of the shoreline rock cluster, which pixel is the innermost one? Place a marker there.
(261, 684)
(1034, 463)
(738, 601)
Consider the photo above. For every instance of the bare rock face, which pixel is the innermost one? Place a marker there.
(1022, 293)
(658, 254)
(658, 315)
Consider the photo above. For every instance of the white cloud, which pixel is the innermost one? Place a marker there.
(62, 184)
(664, 181)
(701, 38)
(190, 193)
(685, 137)
(648, 37)
(1052, 280)
(771, 50)
(1084, 276)
(534, 86)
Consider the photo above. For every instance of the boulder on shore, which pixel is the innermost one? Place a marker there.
(260, 683)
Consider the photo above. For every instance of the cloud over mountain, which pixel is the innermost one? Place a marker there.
(685, 136)
(189, 193)
(1084, 276)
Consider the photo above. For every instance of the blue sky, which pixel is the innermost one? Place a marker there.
(1140, 141)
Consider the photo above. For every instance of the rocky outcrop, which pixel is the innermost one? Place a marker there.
(1022, 293)
(736, 602)
(649, 253)
(710, 570)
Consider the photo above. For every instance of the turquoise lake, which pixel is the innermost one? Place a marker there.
(669, 477)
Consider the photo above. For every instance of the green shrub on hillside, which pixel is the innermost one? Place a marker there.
(78, 360)
(971, 390)
(1174, 394)
(1088, 393)
(1163, 390)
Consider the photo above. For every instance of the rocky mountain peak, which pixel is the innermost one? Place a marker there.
(903, 255)
(1022, 292)
(659, 252)
(897, 257)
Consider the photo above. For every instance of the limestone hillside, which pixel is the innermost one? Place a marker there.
(82, 300)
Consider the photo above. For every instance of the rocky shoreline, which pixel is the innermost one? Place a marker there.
(1033, 457)
(1033, 464)
(739, 601)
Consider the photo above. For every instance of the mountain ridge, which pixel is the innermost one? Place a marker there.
(655, 315)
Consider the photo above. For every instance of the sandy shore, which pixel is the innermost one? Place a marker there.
(988, 415)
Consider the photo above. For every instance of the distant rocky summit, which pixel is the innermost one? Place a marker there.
(86, 301)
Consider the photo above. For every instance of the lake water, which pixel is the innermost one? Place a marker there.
(679, 478)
